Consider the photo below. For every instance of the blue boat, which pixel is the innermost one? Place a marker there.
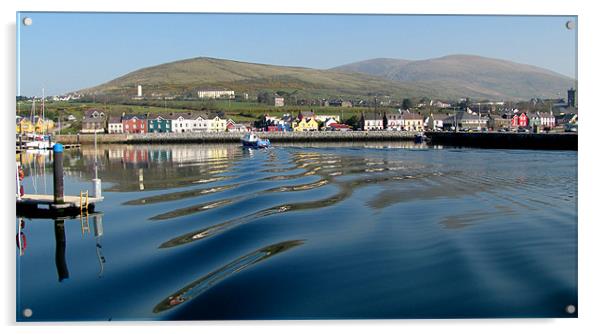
(252, 141)
(420, 138)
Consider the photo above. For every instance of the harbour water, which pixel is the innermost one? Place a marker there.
(333, 231)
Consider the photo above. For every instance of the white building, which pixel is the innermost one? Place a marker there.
(278, 101)
(394, 120)
(115, 125)
(325, 118)
(216, 94)
(435, 121)
(371, 121)
(328, 122)
(181, 122)
(217, 124)
(139, 90)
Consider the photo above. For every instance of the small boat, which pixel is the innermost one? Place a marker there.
(251, 140)
(419, 138)
(39, 142)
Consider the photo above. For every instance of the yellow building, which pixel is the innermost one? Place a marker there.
(44, 126)
(24, 125)
(306, 124)
(217, 124)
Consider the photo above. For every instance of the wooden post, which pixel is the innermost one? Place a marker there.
(58, 174)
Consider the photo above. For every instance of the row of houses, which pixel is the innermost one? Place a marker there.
(395, 121)
(96, 121)
(304, 121)
(38, 125)
(465, 120)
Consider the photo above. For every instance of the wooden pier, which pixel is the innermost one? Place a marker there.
(56, 204)
(43, 205)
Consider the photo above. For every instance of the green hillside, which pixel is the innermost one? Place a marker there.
(449, 77)
(186, 77)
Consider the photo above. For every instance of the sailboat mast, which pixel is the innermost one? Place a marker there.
(33, 110)
(43, 121)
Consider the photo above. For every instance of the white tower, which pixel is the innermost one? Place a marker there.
(139, 90)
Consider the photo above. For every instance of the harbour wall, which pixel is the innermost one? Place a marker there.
(509, 140)
(551, 141)
(234, 137)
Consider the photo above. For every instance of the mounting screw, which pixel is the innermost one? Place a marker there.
(570, 309)
(27, 312)
(570, 24)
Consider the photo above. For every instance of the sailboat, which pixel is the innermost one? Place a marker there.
(35, 141)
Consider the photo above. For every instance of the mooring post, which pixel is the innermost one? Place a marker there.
(58, 174)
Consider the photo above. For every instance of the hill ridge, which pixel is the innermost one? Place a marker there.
(446, 77)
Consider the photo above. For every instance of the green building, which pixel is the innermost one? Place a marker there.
(159, 124)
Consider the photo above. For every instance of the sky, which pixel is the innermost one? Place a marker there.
(65, 52)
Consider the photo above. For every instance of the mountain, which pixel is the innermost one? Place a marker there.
(468, 75)
(449, 77)
(190, 75)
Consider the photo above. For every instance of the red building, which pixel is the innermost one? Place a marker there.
(520, 120)
(134, 123)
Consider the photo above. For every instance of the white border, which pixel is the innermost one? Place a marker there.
(589, 181)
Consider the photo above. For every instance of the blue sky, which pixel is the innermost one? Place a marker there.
(63, 52)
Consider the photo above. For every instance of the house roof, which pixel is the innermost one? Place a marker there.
(115, 119)
(410, 116)
(187, 115)
(462, 116)
(393, 115)
(128, 117)
(496, 117)
(306, 114)
(339, 126)
(373, 115)
(439, 117)
(90, 113)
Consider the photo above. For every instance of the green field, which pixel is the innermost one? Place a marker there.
(237, 111)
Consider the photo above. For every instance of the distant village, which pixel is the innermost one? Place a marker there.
(425, 116)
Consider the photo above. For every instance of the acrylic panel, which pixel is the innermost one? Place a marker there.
(197, 166)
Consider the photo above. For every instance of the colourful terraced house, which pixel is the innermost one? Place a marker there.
(134, 123)
(306, 124)
(158, 124)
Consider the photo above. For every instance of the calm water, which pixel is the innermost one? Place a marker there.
(343, 231)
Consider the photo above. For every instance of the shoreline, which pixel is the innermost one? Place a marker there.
(553, 141)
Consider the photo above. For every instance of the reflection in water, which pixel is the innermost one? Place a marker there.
(204, 283)
(21, 237)
(60, 250)
(314, 164)
(98, 233)
(60, 241)
(405, 223)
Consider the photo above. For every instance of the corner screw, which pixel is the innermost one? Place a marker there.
(570, 309)
(27, 313)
